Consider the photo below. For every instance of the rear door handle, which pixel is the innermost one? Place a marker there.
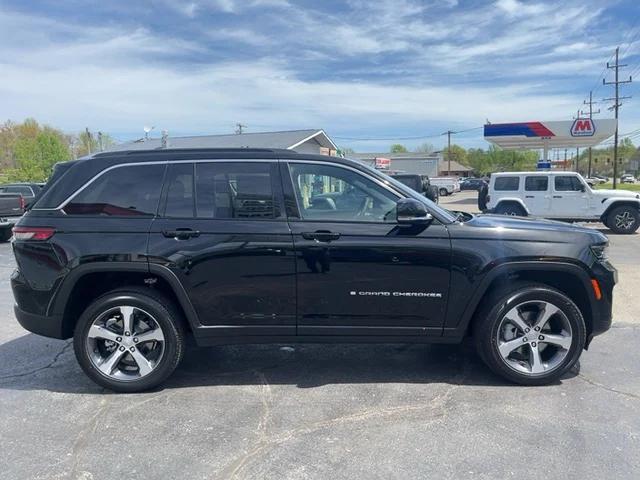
(181, 233)
(528, 196)
(557, 196)
(321, 235)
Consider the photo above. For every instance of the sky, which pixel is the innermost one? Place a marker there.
(370, 73)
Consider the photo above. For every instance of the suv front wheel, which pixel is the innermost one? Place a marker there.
(531, 335)
(129, 340)
(623, 219)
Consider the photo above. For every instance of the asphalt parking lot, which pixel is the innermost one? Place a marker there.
(322, 411)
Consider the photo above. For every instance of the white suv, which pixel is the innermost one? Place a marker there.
(561, 196)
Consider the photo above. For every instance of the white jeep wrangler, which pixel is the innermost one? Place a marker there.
(561, 196)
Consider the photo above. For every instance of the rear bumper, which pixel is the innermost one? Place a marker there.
(48, 326)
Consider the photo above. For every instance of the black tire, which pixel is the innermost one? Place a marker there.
(510, 208)
(443, 192)
(166, 315)
(483, 192)
(624, 219)
(5, 235)
(488, 322)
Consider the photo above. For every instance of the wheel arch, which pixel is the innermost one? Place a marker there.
(517, 201)
(85, 283)
(570, 279)
(619, 203)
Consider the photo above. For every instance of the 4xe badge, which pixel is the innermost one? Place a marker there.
(583, 127)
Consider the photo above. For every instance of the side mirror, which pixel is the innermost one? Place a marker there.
(410, 211)
(583, 188)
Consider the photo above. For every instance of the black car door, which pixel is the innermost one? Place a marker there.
(359, 273)
(221, 229)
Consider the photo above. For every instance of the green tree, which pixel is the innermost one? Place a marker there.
(458, 154)
(84, 144)
(398, 148)
(36, 156)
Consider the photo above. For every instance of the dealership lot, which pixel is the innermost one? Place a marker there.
(318, 411)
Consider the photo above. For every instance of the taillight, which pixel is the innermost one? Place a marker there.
(488, 198)
(33, 233)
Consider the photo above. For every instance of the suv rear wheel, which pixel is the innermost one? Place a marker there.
(129, 340)
(443, 192)
(510, 208)
(623, 219)
(531, 335)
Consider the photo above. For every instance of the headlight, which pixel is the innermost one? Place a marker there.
(600, 251)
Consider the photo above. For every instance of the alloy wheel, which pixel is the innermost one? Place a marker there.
(125, 343)
(534, 337)
(624, 220)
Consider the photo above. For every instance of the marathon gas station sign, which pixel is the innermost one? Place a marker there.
(579, 133)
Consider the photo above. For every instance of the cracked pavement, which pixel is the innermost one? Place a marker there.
(325, 411)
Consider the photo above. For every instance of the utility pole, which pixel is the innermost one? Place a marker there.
(86, 129)
(577, 158)
(616, 106)
(239, 127)
(564, 165)
(591, 112)
(100, 140)
(448, 134)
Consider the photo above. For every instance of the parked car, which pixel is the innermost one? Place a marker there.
(600, 179)
(419, 183)
(11, 209)
(627, 178)
(561, 196)
(128, 252)
(27, 190)
(446, 185)
(472, 184)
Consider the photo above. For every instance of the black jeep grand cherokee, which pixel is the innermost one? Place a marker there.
(128, 252)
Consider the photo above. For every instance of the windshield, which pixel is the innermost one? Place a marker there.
(409, 192)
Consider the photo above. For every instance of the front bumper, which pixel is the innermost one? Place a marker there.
(602, 311)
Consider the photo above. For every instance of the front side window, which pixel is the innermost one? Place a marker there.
(568, 183)
(507, 184)
(221, 190)
(130, 191)
(536, 183)
(331, 193)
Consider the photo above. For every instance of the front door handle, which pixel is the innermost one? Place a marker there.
(181, 233)
(557, 196)
(321, 235)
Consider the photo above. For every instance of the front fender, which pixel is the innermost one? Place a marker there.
(456, 326)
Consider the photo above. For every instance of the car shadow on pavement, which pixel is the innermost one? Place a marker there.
(47, 364)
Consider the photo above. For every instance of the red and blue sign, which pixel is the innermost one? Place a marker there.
(526, 129)
(583, 127)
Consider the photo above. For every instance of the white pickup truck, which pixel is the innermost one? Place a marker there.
(560, 196)
(446, 185)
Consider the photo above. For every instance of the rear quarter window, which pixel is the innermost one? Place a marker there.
(506, 184)
(130, 191)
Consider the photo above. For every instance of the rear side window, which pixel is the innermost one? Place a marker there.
(132, 190)
(536, 184)
(506, 184)
(567, 183)
(221, 190)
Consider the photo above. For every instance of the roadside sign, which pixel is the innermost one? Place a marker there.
(383, 163)
(583, 127)
(544, 165)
